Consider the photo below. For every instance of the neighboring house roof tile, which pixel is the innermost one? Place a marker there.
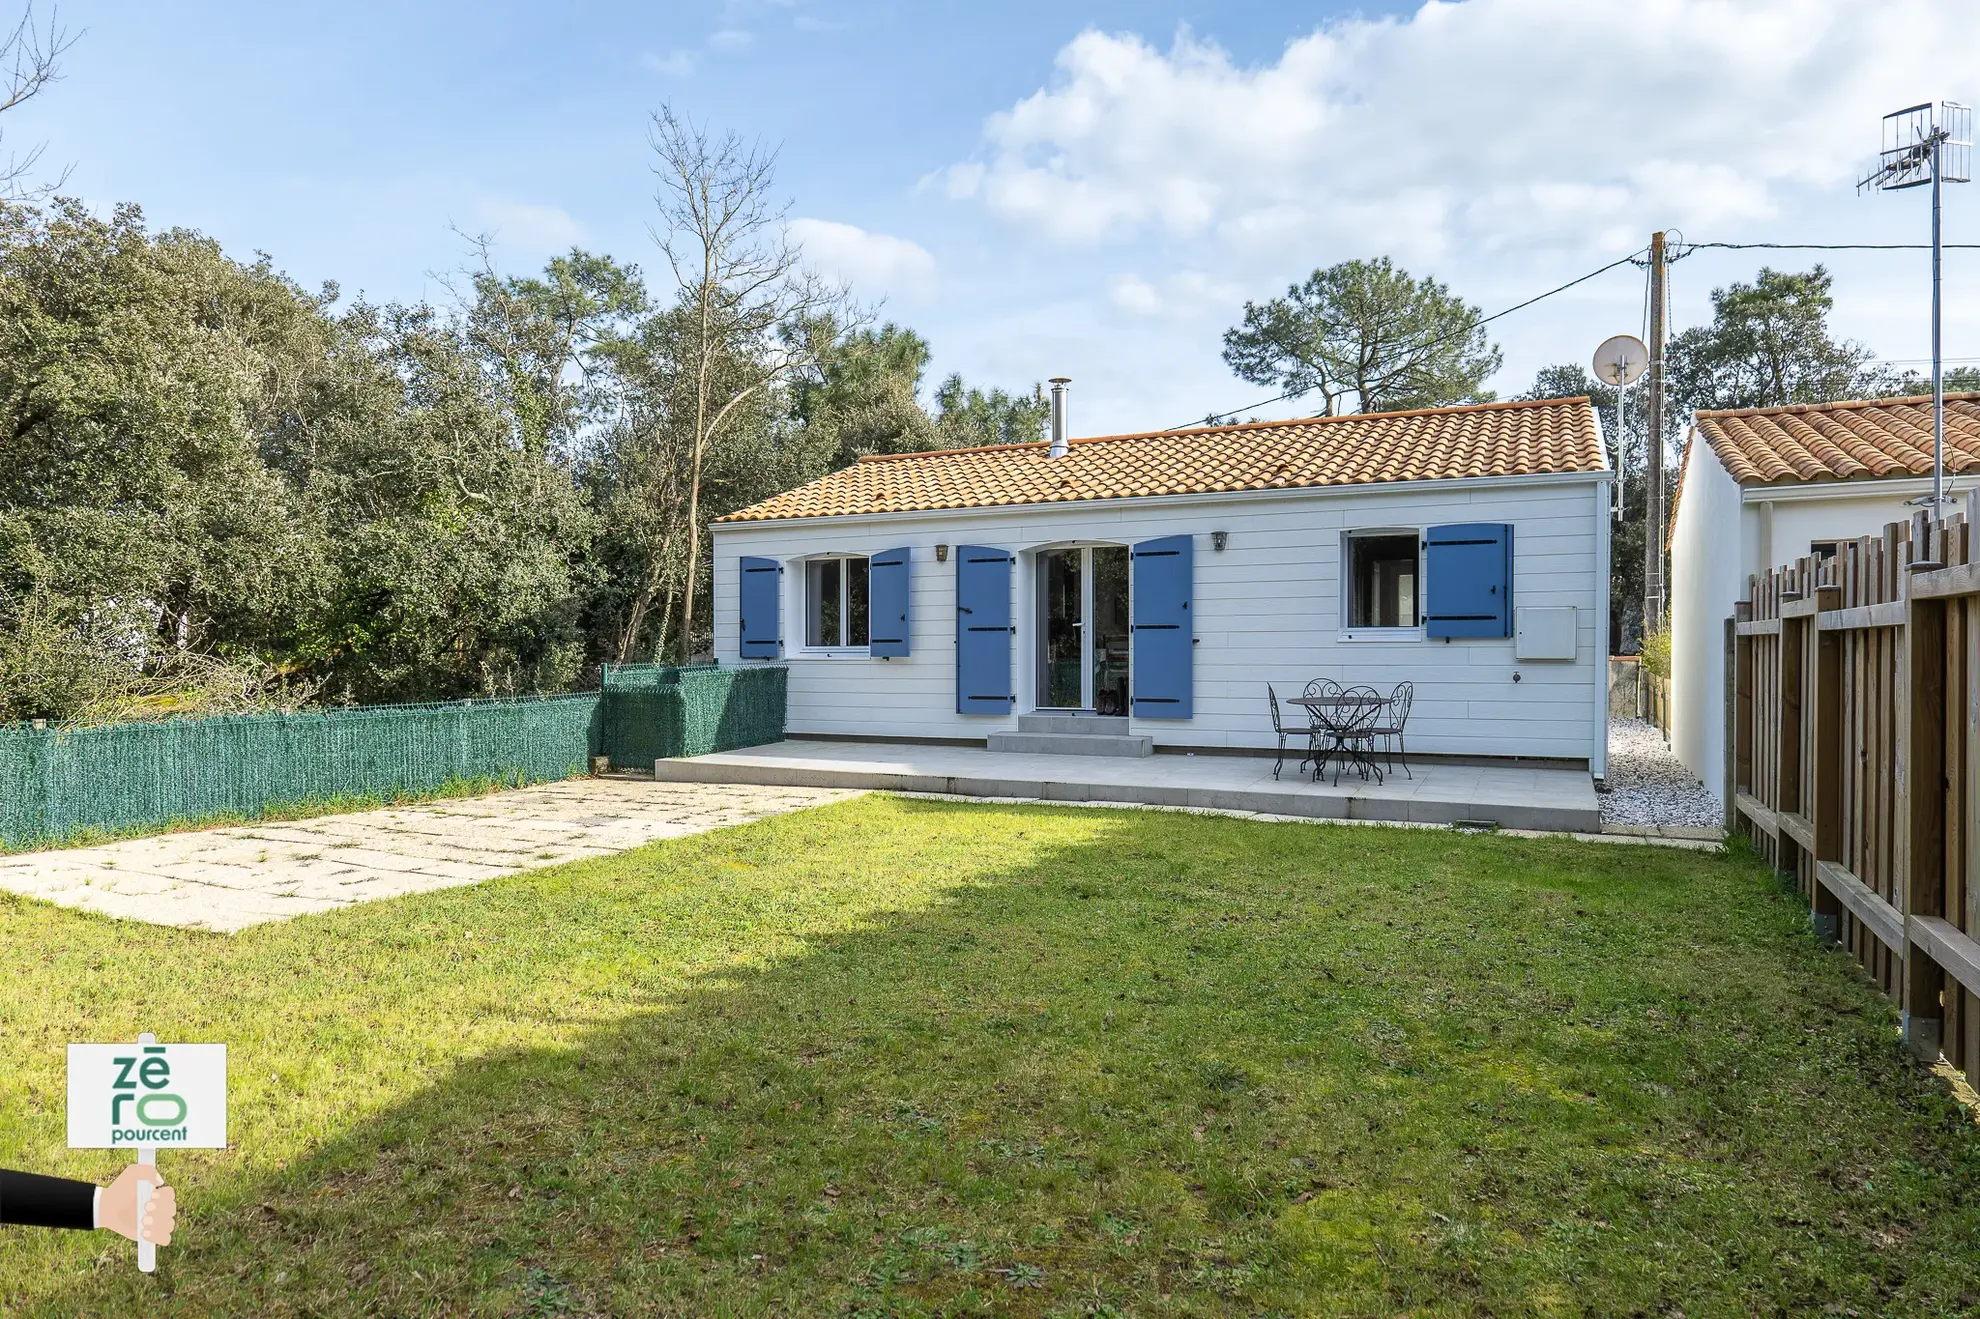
(1857, 439)
(1862, 438)
(1486, 439)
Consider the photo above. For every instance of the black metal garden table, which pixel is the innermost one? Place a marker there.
(1343, 719)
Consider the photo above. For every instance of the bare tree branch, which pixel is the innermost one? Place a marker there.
(740, 280)
(29, 63)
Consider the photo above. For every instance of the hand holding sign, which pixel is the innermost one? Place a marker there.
(118, 1211)
(145, 1096)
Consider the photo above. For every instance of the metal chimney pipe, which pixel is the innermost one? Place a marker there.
(1059, 445)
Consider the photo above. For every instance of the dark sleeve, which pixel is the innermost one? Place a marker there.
(31, 1200)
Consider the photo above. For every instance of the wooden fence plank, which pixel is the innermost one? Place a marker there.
(1889, 613)
(1763, 816)
(1961, 579)
(1877, 915)
(1787, 785)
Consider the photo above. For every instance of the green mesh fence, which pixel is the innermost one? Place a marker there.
(642, 677)
(723, 709)
(654, 711)
(55, 783)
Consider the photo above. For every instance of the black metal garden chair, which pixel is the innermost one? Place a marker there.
(1354, 719)
(1395, 714)
(1309, 731)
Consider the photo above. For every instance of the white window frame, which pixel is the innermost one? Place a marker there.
(1349, 632)
(803, 611)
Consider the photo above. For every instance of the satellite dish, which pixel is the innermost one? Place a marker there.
(1620, 360)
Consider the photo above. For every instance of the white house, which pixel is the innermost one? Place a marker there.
(1158, 582)
(1767, 486)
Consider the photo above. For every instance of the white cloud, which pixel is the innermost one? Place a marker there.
(1181, 293)
(674, 64)
(1132, 293)
(531, 226)
(870, 263)
(730, 39)
(1492, 123)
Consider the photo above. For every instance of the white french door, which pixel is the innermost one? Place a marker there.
(1083, 633)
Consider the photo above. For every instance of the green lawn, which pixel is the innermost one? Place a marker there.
(899, 1057)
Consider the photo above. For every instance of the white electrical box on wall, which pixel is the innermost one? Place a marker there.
(1543, 632)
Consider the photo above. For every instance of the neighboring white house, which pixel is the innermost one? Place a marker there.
(1766, 487)
(1166, 578)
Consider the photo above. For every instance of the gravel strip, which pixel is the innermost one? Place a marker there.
(1648, 785)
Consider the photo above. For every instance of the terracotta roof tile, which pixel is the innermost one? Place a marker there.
(1871, 438)
(1858, 439)
(1486, 439)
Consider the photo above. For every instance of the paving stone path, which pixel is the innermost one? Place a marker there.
(229, 879)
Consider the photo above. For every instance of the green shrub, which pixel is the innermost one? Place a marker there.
(1656, 654)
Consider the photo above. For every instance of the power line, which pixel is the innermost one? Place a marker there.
(1825, 247)
(1442, 338)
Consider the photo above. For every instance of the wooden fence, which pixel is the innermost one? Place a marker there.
(1853, 758)
(1654, 702)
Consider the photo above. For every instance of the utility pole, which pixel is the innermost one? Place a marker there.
(1653, 450)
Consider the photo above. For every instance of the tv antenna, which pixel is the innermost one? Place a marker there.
(1620, 360)
(1929, 143)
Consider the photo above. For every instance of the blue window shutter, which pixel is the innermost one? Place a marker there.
(1468, 580)
(1164, 649)
(761, 589)
(983, 631)
(887, 583)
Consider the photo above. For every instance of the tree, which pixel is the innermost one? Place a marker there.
(208, 470)
(1769, 345)
(1958, 380)
(862, 394)
(143, 379)
(1369, 331)
(459, 554)
(655, 480)
(970, 417)
(29, 58)
(739, 282)
(548, 338)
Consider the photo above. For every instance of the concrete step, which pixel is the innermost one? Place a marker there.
(1072, 744)
(1113, 725)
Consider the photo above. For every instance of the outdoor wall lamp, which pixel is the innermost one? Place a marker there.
(1219, 539)
(941, 554)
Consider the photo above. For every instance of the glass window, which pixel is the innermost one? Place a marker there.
(855, 602)
(1111, 629)
(835, 612)
(1061, 597)
(1381, 579)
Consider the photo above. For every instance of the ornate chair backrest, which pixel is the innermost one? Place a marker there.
(1399, 701)
(1273, 697)
(1362, 711)
(1325, 716)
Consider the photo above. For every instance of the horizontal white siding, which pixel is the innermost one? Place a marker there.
(1267, 610)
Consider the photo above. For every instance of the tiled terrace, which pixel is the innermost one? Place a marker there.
(1514, 797)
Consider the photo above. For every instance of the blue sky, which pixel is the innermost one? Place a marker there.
(1087, 189)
